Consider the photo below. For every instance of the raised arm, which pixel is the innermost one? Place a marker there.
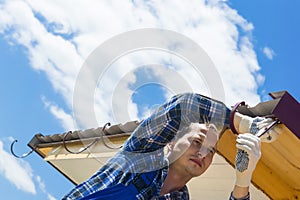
(160, 128)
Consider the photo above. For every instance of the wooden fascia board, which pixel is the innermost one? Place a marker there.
(269, 179)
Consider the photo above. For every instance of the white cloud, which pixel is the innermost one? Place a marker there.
(42, 186)
(65, 118)
(50, 197)
(59, 36)
(18, 172)
(269, 53)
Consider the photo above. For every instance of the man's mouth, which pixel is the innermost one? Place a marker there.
(197, 161)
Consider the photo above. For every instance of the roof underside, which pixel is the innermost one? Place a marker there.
(276, 176)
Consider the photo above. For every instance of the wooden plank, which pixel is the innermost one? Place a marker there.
(226, 146)
(264, 177)
(280, 165)
(270, 183)
(45, 151)
(289, 145)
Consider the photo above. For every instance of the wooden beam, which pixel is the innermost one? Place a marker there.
(276, 175)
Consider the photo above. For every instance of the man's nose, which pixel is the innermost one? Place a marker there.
(200, 155)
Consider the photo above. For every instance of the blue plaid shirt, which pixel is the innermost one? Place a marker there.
(143, 150)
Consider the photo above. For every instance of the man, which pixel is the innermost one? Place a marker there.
(189, 126)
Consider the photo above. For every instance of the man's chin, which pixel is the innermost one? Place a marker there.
(195, 171)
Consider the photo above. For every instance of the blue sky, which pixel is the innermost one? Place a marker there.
(276, 26)
(39, 67)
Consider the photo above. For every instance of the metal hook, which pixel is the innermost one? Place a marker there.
(13, 153)
(267, 129)
(72, 152)
(102, 137)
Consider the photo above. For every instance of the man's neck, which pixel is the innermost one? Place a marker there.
(174, 181)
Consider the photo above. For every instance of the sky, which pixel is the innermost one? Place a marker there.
(46, 46)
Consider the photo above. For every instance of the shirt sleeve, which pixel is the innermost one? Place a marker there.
(244, 198)
(160, 128)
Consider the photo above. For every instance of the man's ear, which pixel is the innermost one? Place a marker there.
(170, 146)
(169, 149)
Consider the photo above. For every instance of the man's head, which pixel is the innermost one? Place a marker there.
(193, 148)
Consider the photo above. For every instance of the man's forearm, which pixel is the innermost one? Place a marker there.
(237, 120)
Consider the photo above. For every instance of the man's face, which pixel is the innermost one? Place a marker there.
(193, 153)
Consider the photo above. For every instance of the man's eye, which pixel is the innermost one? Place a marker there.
(198, 142)
(212, 150)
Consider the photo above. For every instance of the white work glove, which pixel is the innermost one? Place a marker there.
(256, 125)
(247, 157)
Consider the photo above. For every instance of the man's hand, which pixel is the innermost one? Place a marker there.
(256, 125)
(247, 157)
